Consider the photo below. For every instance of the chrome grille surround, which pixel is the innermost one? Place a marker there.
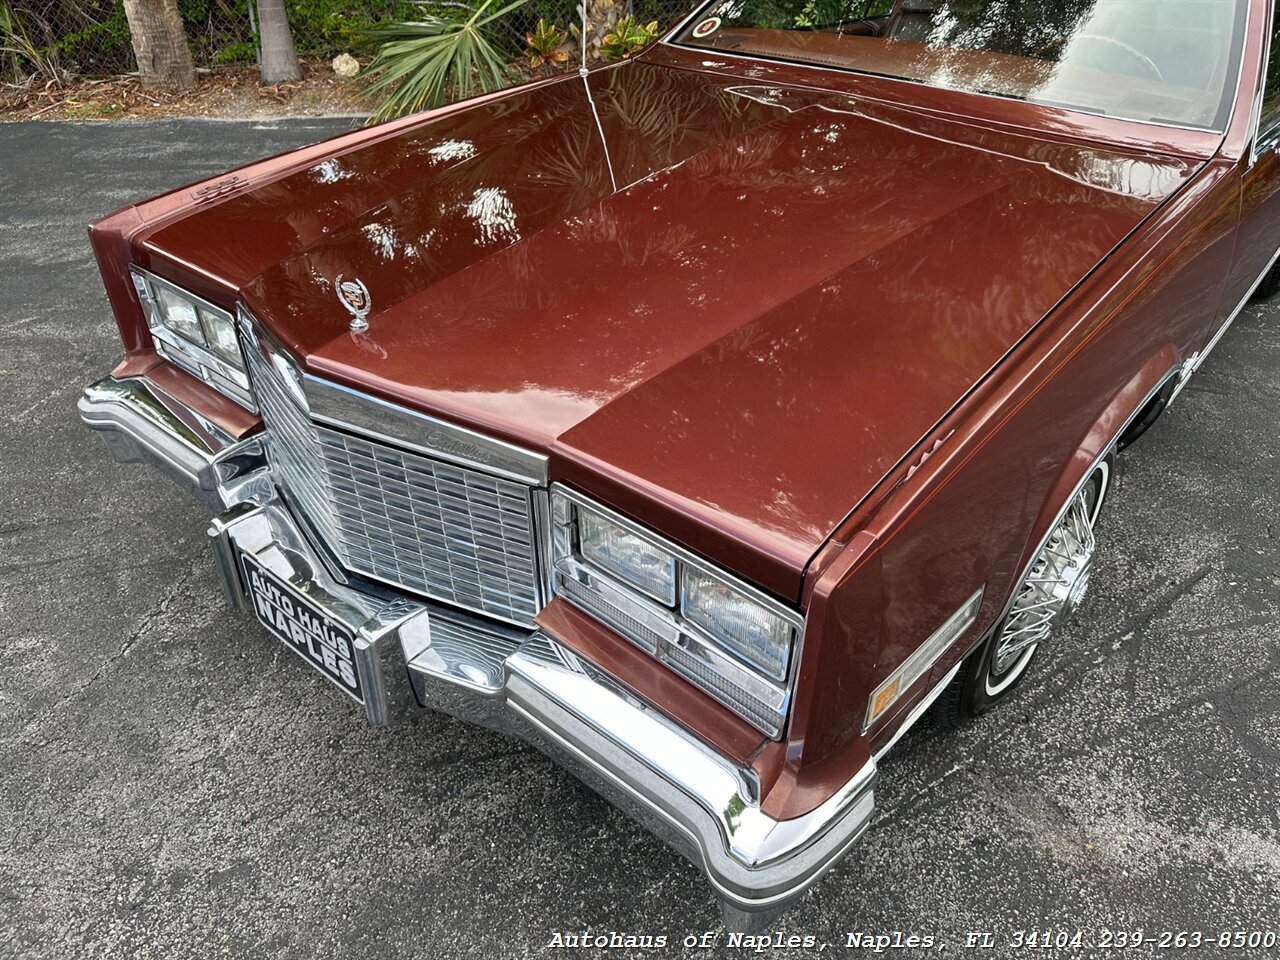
(405, 518)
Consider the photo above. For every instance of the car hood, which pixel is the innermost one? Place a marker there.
(725, 307)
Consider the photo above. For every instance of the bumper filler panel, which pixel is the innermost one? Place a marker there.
(412, 653)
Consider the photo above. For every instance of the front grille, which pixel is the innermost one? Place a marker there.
(411, 521)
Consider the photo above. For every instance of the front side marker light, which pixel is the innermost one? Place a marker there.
(921, 660)
(884, 697)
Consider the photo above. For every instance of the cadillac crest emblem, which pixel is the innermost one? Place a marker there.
(354, 295)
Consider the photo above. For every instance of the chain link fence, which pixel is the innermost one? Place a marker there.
(90, 38)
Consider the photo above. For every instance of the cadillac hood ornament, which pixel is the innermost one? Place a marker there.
(354, 295)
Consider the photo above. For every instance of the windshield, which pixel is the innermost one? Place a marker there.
(1167, 61)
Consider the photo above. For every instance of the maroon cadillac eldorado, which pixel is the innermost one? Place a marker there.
(705, 418)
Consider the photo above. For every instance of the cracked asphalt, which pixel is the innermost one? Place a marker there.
(174, 783)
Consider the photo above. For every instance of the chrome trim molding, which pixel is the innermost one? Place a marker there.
(1204, 351)
(359, 412)
(920, 709)
(1194, 362)
(140, 424)
(541, 518)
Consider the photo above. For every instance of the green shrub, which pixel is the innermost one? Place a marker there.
(628, 38)
(420, 63)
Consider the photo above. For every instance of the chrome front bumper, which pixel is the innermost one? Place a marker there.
(412, 654)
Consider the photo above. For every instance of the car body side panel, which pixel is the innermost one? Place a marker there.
(972, 512)
(1259, 219)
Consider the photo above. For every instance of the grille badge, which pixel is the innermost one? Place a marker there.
(354, 295)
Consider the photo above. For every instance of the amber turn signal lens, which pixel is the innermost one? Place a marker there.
(883, 699)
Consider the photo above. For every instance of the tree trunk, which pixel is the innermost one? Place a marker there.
(279, 57)
(160, 43)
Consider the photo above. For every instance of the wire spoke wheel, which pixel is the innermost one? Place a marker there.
(1054, 585)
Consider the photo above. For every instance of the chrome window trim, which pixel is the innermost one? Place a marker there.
(1256, 134)
(343, 407)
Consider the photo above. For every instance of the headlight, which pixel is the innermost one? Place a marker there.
(723, 635)
(221, 332)
(178, 313)
(195, 335)
(628, 556)
(741, 625)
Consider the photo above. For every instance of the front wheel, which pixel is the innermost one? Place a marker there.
(1051, 588)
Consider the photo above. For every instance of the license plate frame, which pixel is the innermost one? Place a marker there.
(291, 617)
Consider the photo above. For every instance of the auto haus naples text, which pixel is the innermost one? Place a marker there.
(313, 637)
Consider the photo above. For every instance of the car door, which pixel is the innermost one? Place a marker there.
(1258, 233)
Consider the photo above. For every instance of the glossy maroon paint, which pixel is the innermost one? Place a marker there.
(706, 295)
(738, 300)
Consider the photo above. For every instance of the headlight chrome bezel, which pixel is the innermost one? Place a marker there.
(754, 691)
(202, 357)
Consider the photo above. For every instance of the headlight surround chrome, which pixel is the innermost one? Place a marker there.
(261, 344)
(728, 638)
(194, 334)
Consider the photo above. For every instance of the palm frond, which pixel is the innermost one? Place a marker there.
(420, 62)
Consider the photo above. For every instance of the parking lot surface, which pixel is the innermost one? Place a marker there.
(175, 783)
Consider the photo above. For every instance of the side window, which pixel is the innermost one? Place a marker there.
(1270, 118)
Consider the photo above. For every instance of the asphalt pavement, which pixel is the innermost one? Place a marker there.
(175, 783)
